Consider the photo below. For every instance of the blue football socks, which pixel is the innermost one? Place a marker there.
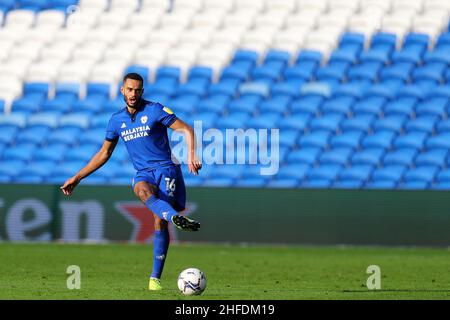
(160, 247)
(161, 208)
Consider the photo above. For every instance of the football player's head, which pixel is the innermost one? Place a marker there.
(132, 89)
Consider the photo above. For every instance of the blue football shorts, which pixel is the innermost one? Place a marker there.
(170, 183)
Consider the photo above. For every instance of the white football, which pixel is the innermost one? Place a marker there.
(191, 281)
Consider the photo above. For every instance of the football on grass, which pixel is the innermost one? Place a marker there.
(191, 281)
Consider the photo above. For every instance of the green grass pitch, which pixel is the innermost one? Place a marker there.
(120, 271)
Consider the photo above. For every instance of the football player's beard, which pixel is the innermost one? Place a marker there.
(136, 104)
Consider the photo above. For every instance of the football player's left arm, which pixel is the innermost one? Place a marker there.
(194, 164)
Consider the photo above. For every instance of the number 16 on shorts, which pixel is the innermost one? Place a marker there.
(170, 186)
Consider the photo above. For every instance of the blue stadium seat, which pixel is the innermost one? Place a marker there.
(423, 123)
(398, 71)
(92, 136)
(168, 72)
(200, 72)
(53, 152)
(404, 156)
(189, 181)
(379, 54)
(381, 184)
(299, 122)
(411, 55)
(286, 89)
(338, 156)
(443, 126)
(41, 88)
(349, 55)
(4, 178)
(403, 106)
(361, 123)
(34, 5)
(336, 71)
(23, 151)
(82, 153)
(161, 86)
(302, 71)
(185, 104)
(435, 157)
(7, 5)
(30, 103)
(294, 170)
(288, 138)
(307, 104)
(432, 71)
(62, 103)
(264, 121)
(309, 55)
(329, 172)
(28, 179)
(279, 104)
(226, 87)
(277, 56)
(352, 39)
(317, 139)
(439, 55)
(100, 120)
(126, 171)
(441, 186)
(283, 183)
(360, 172)
(422, 173)
(246, 56)
(11, 168)
(44, 119)
(34, 135)
(392, 123)
(90, 105)
(67, 89)
(316, 184)
(380, 139)
(306, 155)
(236, 72)
(8, 133)
(441, 140)
(340, 105)
(208, 119)
(371, 156)
(391, 172)
(365, 71)
(68, 136)
(76, 120)
(434, 107)
(413, 139)
(233, 120)
(444, 176)
(414, 39)
(257, 90)
(213, 104)
(270, 72)
(38, 168)
(328, 122)
(197, 87)
(369, 106)
(348, 139)
(98, 89)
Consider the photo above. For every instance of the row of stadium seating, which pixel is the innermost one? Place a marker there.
(358, 88)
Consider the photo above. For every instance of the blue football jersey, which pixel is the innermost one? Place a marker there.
(144, 134)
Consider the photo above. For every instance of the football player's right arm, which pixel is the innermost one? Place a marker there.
(98, 160)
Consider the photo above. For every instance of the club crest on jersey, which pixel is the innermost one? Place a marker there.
(144, 119)
(123, 125)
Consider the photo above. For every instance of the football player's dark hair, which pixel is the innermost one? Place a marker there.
(133, 76)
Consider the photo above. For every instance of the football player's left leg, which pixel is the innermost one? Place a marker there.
(160, 247)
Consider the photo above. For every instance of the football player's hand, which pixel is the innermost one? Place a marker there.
(194, 165)
(69, 185)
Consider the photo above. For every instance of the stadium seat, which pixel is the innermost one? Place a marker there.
(338, 156)
(370, 156)
(305, 155)
(441, 141)
(404, 156)
(317, 139)
(362, 123)
(414, 139)
(283, 183)
(11, 168)
(23, 151)
(250, 183)
(380, 139)
(434, 157)
(328, 172)
(68, 136)
(307, 104)
(53, 152)
(390, 123)
(381, 184)
(326, 123)
(35, 135)
(369, 106)
(390, 172)
(422, 173)
(349, 139)
(316, 184)
(298, 122)
(348, 184)
(424, 123)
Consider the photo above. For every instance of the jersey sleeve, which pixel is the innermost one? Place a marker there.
(165, 115)
(111, 132)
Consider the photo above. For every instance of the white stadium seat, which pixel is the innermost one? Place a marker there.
(219, 4)
(193, 5)
(93, 6)
(304, 19)
(154, 5)
(210, 18)
(124, 5)
(54, 18)
(316, 5)
(20, 19)
(148, 19)
(443, 5)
